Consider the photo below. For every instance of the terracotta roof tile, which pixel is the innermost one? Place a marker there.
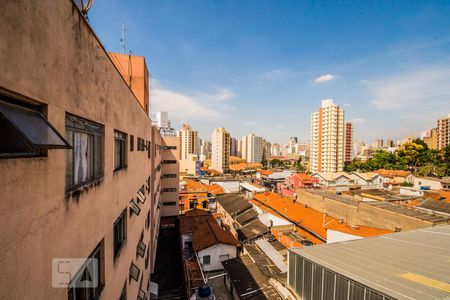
(193, 186)
(214, 189)
(205, 230)
(392, 173)
(310, 218)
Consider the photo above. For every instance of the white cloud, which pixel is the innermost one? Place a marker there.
(193, 106)
(280, 125)
(347, 104)
(324, 78)
(357, 120)
(423, 88)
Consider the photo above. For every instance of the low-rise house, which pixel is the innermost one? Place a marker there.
(301, 180)
(368, 180)
(193, 194)
(202, 236)
(431, 183)
(245, 167)
(395, 177)
(229, 184)
(338, 181)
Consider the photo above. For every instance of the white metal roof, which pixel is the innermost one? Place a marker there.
(273, 254)
(405, 265)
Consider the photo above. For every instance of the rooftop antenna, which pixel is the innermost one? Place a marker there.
(122, 39)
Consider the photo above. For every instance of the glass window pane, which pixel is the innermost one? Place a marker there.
(33, 126)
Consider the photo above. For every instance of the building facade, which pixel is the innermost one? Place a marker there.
(443, 132)
(220, 157)
(170, 180)
(349, 153)
(189, 142)
(255, 148)
(78, 165)
(327, 138)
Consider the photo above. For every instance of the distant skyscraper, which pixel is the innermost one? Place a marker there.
(220, 157)
(189, 142)
(164, 125)
(252, 148)
(275, 150)
(389, 143)
(443, 132)
(205, 150)
(378, 144)
(233, 147)
(327, 138)
(349, 154)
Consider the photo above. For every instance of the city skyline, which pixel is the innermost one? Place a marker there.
(245, 67)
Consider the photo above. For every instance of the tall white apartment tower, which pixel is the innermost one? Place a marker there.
(220, 150)
(255, 146)
(327, 138)
(189, 142)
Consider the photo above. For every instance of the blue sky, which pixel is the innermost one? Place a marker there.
(263, 66)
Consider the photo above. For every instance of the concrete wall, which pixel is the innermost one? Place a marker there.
(170, 197)
(50, 56)
(425, 182)
(214, 252)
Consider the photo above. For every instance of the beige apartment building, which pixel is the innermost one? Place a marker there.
(170, 177)
(80, 163)
(443, 132)
(253, 148)
(189, 142)
(327, 138)
(220, 157)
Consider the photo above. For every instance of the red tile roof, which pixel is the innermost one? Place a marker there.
(214, 189)
(310, 218)
(205, 230)
(193, 186)
(392, 173)
(265, 172)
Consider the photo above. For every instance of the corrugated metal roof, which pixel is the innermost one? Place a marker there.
(273, 254)
(387, 263)
(252, 188)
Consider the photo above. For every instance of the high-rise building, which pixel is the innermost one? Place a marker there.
(244, 147)
(252, 148)
(80, 191)
(189, 142)
(266, 150)
(239, 148)
(327, 138)
(378, 144)
(233, 147)
(293, 140)
(443, 132)
(205, 150)
(275, 149)
(431, 138)
(220, 156)
(164, 125)
(390, 143)
(162, 119)
(349, 154)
